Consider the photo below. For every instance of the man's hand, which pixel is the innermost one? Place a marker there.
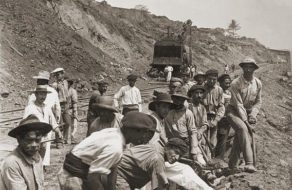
(250, 127)
(213, 123)
(252, 119)
(57, 130)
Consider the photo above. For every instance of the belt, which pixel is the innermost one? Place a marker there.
(75, 166)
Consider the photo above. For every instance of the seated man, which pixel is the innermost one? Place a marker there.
(23, 168)
(91, 163)
(143, 163)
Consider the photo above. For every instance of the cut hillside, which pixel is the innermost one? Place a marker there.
(91, 39)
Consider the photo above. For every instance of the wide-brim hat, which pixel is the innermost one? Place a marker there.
(57, 70)
(176, 79)
(41, 88)
(132, 77)
(249, 61)
(139, 120)
(45, 75)
(223, 77)
(180, 93)
(199, 74)
(160, 98)
(102, 82)
(31, 123)
(104, 102)
(194, 88)
(212, 72)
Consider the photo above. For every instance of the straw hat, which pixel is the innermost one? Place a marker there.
(104, 102)
(42, 75)
(249, 61)
(57, 70)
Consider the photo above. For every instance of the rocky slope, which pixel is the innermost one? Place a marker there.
(91, 39)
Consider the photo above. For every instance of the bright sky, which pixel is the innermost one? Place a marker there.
(269, 21)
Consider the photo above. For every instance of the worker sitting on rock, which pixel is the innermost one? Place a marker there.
(23, 168)
(130, 95)
(223, 124)
(244, 106)
(214, 104)
(108, 115)
(101, 91)
(200, 78)
(91, 164)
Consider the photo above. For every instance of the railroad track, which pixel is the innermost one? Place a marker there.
(10, 118)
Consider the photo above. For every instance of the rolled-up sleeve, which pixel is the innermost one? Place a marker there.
(12, 179)
(117, 96)
(192, 130)
(221, 109)
(258, 101)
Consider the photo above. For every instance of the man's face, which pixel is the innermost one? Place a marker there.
(185, 78)
(211, 80)
(59, 76)
(162, 109)
(171, 155)
(132, 82)
(102, 88)
(30, 143)
(226, 83)
(200, 80)
(138, 136)
(179, 101)
(248, 69)
(198, 95)
(42, 82)
(174, 86)
(40, 97)
(106, 115)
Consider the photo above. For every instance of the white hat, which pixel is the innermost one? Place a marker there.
(43, 75)
(57, 70)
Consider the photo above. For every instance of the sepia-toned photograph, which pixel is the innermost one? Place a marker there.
(145, 95)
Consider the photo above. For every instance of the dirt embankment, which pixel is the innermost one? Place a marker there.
(90, 39)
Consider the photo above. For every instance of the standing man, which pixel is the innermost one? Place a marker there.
(130, 95)
(52, 99)
(101, 91)
(23, 168)
(108, 115)
(223, 124)
(44, 114)
(72, 101)
(175, 85)
(226, 69)
(168, 72)
(214, 104)
(91, 164)
(61, 86)
(187, 83)
(242, 111)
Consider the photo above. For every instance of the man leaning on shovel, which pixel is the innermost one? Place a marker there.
(244, 106)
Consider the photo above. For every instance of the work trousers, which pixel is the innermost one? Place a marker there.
(241, 142)
(66, 119)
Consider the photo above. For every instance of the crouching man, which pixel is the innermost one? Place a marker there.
(23, 168)
(143, 163)
(91, 164)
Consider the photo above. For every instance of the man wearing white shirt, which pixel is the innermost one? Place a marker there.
(130, 96)
(52, 99)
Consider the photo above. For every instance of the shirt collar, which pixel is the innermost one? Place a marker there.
(29, 160)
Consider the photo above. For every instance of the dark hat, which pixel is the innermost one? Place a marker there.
(104, 102)
(176, 79)
(249, 60)
(139, 120)
(45, 75)
(199, 73)
(31, 123)
(41, 88)
(178, 143)
(181, 93)
(102, 82)
(212, 72)
(132, 77)
(195, 87)
(160, 97)
(223, 77)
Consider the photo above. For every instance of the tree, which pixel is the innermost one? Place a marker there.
(233, 27)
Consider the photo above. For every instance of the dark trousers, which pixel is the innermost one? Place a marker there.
(66, 121)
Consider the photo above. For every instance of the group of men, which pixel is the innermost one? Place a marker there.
(128, 149)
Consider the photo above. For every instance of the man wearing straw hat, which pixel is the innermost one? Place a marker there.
(52, 99)
(242, 111)
(108, 115)
(23, 168)
(44, 114)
